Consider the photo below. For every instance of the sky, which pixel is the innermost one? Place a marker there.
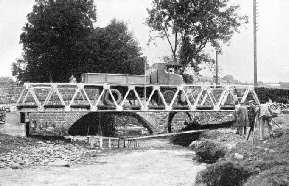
(236, 59)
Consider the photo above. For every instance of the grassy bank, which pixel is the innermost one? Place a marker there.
(259, 163)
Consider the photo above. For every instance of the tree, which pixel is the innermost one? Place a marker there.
(189, 25)
(114, 50)
(228, 78)
(53, 40)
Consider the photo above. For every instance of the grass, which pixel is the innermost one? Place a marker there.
(268, 161)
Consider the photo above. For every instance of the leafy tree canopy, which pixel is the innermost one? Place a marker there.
(189, 25)
(52, 39)
(59, 41)
(228, 78)
(114, 50)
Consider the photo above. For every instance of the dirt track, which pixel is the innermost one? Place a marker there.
(169, 165)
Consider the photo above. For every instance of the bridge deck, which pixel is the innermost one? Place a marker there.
(77, 97)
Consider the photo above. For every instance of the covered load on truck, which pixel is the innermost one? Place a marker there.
(158, 74)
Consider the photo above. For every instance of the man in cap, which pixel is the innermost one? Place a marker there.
(242, 121)
(264, 115)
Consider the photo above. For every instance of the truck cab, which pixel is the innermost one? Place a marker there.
(166, 74)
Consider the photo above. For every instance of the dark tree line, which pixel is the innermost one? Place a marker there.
(59, 41)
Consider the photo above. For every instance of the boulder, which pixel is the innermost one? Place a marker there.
(238, 156)
(16, 166)
(59, 163)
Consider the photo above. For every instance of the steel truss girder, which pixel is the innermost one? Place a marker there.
(68, 97)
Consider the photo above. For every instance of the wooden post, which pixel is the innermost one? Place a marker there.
(91, 140)
(100, 142)
(27, 124)
(109, 143)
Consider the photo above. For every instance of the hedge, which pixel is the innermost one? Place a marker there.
(276, 95)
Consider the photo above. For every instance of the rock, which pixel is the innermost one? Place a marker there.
(238, 156)
(59, 163)
(2, 165)
(15, 166)
(194, 144)
(41, 143)
(21, 162)
(230, 146)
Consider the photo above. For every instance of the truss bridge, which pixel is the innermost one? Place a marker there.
(76, 97)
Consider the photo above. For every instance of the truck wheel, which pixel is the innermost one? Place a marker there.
(108, 99)
(169, 95)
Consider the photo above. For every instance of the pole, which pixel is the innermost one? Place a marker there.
(255, 42)
(217, 69)
(145, 84)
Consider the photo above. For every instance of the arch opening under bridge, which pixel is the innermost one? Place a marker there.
(110, 124)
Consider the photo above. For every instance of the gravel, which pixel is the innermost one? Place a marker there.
(19, 152)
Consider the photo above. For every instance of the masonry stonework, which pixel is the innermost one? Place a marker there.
(58, 124)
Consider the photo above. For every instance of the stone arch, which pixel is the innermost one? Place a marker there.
(90, 123)
(176, 120)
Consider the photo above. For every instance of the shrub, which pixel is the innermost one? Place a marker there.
(209, 151)
(276, 176)
(224, 174)
(185, 139)
(277, 95)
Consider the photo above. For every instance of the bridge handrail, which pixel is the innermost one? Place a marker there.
(194, 97)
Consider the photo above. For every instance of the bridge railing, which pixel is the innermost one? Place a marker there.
(67, 97)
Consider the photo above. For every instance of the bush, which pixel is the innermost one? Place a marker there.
(224, 174)
(277, 95)
(185, 139)
(209, 151)
(276, 176)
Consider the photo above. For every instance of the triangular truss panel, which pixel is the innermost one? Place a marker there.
(229, 99)
(239, 93)
(106, 97)
(133, 98)
(54, 99)
(41, 94)
(80, 98)
(156, 99)
(93, 92)
(20, 100)
(217, 93)
(30, 98)
(193, 94)
(207, 100)
(66, 92)
(182, 101)
(170, 95)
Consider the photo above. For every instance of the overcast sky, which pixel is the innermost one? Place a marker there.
(236, 60)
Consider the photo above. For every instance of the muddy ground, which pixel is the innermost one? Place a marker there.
(155, 162)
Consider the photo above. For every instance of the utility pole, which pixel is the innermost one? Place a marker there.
(217, 69)
(255, 41)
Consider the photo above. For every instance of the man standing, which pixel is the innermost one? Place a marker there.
(242, 121)
(264, 117)
(252, 112)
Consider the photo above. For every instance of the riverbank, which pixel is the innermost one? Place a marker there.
(266, 162)
(35, 161)
(43, 161)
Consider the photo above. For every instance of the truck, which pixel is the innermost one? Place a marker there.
(159, 74)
